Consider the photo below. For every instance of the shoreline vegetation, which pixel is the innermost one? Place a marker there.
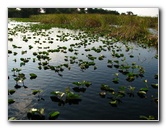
(122, 27)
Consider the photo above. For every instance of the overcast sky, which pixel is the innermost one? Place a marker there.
(138, 11)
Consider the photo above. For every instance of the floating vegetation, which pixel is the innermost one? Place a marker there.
(66, 97)
(106, 88)
(9, 52)
(102, 94)
(54, 115)
(114, 102)
(12, 118)
(34, 92)
(154, 85)
(11, 92)
(33, 76)
(36, 114)
(11, 101)
(156, 76)
(76, 54)
(150, 117)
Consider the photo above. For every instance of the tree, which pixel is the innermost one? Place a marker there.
(130, 13)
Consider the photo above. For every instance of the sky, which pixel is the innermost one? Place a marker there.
(139, 11)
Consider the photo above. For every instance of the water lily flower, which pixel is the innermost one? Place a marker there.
(34, 109)
(145, 81)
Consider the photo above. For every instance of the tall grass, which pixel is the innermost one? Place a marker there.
(128, 27)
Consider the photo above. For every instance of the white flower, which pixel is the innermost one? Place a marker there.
(34, 109)
(145, 81)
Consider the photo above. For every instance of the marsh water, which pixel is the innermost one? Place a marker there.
(91, 106)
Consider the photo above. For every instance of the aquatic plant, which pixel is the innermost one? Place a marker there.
(141, 94)
(156, 76)
(116, 79)
(11, 92)
(33, 76)
(30, 46)
(150, 117)
(102, 94)
(9, 51)
(14, 71)
(34, 92)
(11, 101)
(154, 85)
(83, 83)
(23, 52)
(15, 53)
(106, 88)
(36, 114)
(54, 115)
(130, 77)
(101, 57)
(131, 91)
(12, 118)
(66, 97)
(113, 103)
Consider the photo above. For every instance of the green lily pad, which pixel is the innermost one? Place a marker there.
(36, 114)
(34, 92)
(54, 115)
(12, 118)
(102, 94)
(154, 85)
(11, 91)
(11, 101)
(72, 96)
(150, 117)
(33, 76)
(115, 80)
(9, 52)
(144, 89)
(106, 88)
(58, 94)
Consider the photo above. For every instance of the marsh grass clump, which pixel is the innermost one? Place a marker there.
(129, 27)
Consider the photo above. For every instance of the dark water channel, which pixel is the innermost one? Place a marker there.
(91, 106)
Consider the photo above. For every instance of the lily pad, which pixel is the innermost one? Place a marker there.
(33, 76)
(11, 101)
(106, 88)
(12, 118)
(144, 89)
(154, 85)
(36, 114)
(102, 94)
(113, 103)
(34, 92)
(150, 117)
(54, 115)
(11, 91)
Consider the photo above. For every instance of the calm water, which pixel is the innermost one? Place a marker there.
(91, 106)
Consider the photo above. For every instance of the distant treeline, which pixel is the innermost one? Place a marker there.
(27, 12)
